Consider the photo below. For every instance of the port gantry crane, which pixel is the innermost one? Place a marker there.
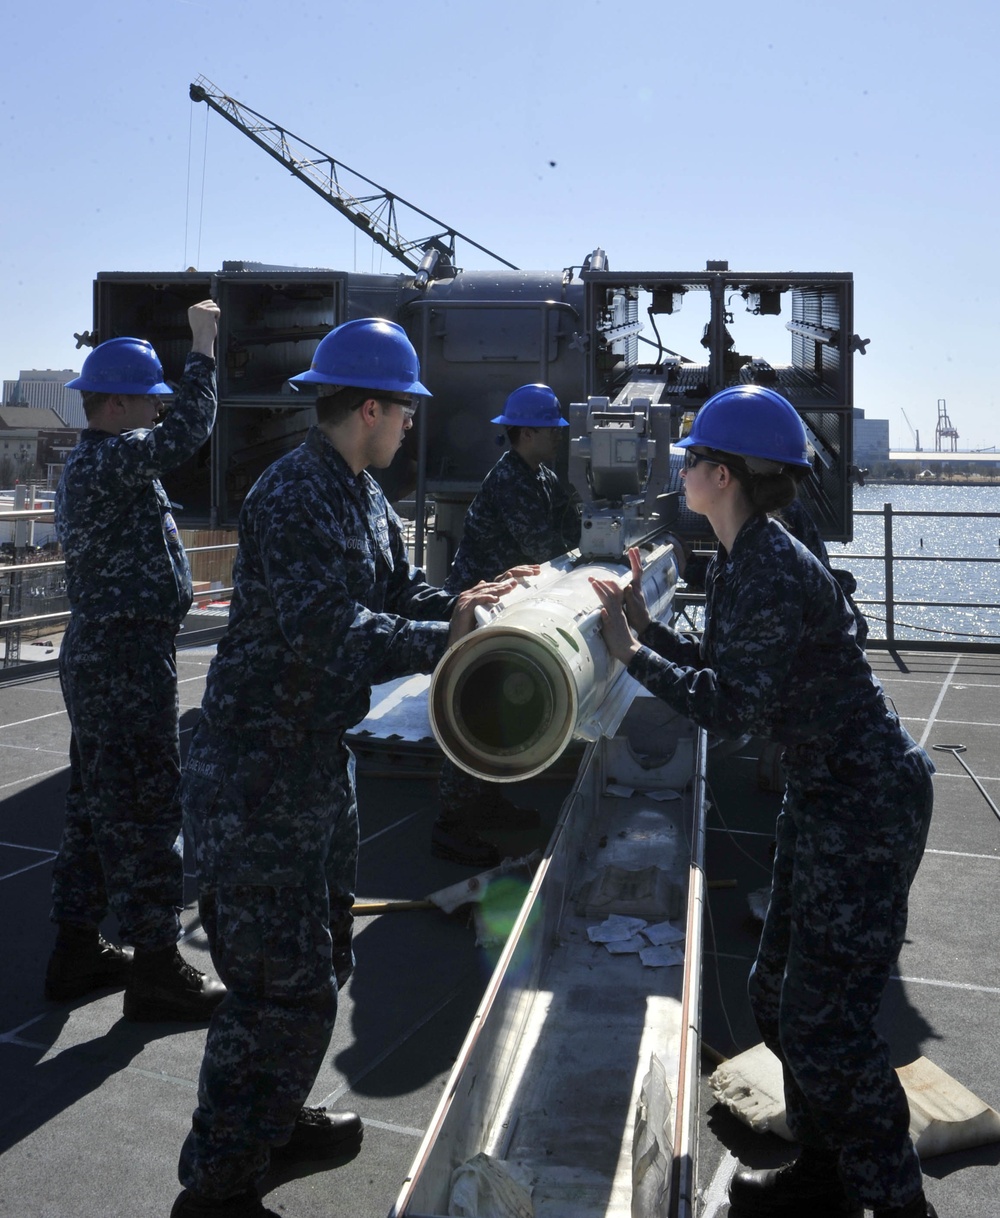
(944, 430)
(369, 206)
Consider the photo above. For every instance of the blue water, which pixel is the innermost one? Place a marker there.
(974, 584)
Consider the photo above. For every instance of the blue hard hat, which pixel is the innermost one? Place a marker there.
(121, 365)
(750, 421)
(531, 406)
(371, 353)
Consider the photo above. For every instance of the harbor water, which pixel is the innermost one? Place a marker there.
(969, 590)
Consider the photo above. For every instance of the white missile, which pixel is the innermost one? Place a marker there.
(507, 699)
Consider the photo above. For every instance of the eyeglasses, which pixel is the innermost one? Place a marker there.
(691, 459)
(408, 408)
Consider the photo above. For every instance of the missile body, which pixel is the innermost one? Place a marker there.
(507, 699)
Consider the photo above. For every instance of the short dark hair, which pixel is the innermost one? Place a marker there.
(514, 435)
(334, 407)
(93, 400)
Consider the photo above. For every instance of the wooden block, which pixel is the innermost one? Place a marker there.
(944, 1115)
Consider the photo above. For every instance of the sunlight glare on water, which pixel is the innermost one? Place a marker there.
(974, 585)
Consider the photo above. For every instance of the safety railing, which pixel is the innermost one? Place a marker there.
(33, 589)
(33, 603)
(888, 610)
(891, 604)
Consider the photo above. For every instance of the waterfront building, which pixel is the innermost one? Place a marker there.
(871, 441)
(34, 442)
(46, 390)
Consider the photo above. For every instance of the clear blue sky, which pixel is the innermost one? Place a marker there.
(860, 136)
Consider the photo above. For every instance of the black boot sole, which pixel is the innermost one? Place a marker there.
(63, 991)
(151, 1011)
(291, 1153)
(806, 1208)
(453, 855)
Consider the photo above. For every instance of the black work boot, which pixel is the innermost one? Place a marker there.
(244, 1205)
(452, 840)
(81, 961)
(497, 812)
(163, 986)
(809, 1186)
(319, 1134)
(919, 1207)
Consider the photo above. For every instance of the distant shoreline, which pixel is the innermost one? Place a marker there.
(935, 480)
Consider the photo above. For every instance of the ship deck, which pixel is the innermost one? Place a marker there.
(95, 1109)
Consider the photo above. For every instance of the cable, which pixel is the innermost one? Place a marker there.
(960, 634)
(187, 186)
(676, 354)
(718, 980)
(659, 341)
(731, 836)
(201, 211)
(708, 905)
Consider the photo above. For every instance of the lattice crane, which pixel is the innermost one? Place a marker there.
(915, 434)
(370, 207)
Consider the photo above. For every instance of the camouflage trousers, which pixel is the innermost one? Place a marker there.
(464, 797)
(834, 928)
(459, 791)
(123, 816)
(273, 822)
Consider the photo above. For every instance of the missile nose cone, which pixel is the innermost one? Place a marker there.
(507, 699)
(501, 705)
(503, 702)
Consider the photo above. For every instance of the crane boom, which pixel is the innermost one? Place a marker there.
(367, 205)
(915, 434)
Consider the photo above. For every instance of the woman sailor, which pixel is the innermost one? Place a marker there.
(779, 659)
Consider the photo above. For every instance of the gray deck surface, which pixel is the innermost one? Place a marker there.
(94, 1109)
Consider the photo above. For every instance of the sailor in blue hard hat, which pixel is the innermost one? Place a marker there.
(129, 587)
(122, 385)
(325, 604)
(533, 418)
(523, 515)
(779, 659)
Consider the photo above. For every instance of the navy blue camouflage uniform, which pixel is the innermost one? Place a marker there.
(129, 588)
(797, 520)
(519, 516)
(779, 659)
(325, 604)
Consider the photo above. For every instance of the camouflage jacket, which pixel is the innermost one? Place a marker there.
(797, 520)
(124, 556)
(519, 516)
(325, 603)
(779, 659)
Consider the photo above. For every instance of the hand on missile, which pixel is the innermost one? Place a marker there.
(203, 319)
(636, 609)
(463, 616)
(521, 572)
(619, 638)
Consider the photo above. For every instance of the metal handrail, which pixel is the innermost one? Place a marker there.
(889, 559)
(14, 625)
